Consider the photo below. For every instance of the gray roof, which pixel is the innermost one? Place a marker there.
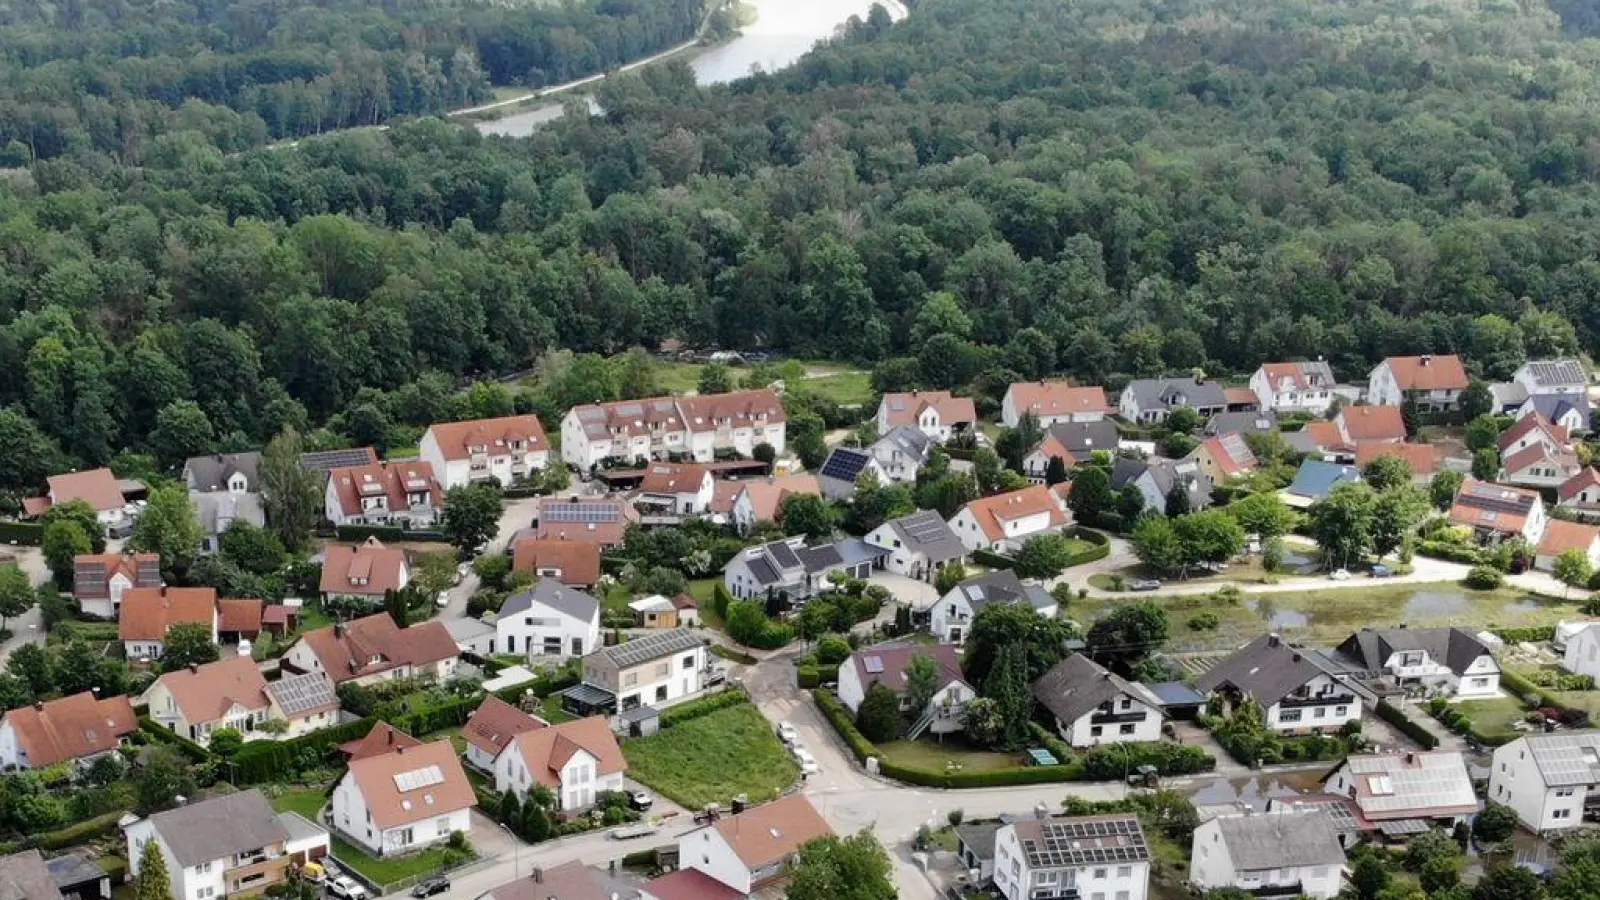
(978, 837)
(925, 532)
(1077, 685)
(1242, 423)
(1566, 757)
(1316, 478)
(326, 461)
(1004, 587)
(1267, 669)
(1170, 393)
(1175, 693)
(298, 694)
(211, 473)
(781, 561)
(1557, 372)
(1125, 471)
(72, 870)
(1457, 648)
(23, 876)
(552, 594)
(219, 827)
(1082, 439)
(837, 477)
(1170, 472)
(907, 439)
(596, 510)
(1508, 394)
(1280, 840)
(1554, 406)
(217, 510)
(652, 646)
(466, 628)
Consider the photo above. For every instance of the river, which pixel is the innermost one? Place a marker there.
(782, 32)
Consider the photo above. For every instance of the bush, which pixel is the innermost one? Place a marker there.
(1410, 729)
(26, 534)
(685, 712)
(1108, 763)
(816, 676)
(1204, 622)
(1450, 552)
(387, 533)
(839, 718)
(832, 650)
(78, 832)
(1484, 578)
(1496, 823)
(1531, 635)
(1558, 681)
(992, 559)
(188, 748)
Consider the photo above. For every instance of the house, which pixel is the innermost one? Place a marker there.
(657, 668)
(1053, 402)
(1423, 459)
(374, 648)
(1548, 779)
(1073, 443)
(1071, 857)
(1581, 654)
(96, 487)
(887, 666)
(324, 461)
(698, 428)
(1532, 431)
(901, 453)
(1507, 397)
(1561, 536)
(218, 511)
(491, 728)
(1581, 492)
(1570, 411)
(1450, 662)
(598, 520)
(569, 881)
(1298, 387)
(1391, 791)
(733, 424)
(752, 849)
(1298, 690)
(1148, 400)
(1495, 512)
(950, 620)
(1269, 854)
(24, 876)
(404, 800)
(1436, 382)
(548, 619)
(1315, 480)
(225, 488)
(224, 846)
(76, 877)
(919, 545)
(975, 846)
(684, 884)
(1538, 466)
(504, 449)
(791, 569)
(674, 490)
(1240, 399)
(1259, 422)
(1156, 478)
(575, 564)
(199, 700)
(383, 738)
(79, 728)
(761, 500)
(306, 702)
(1223, 457)
(100, 579)
(1093, 705)
(405, 494)
(1004, 522)
(1552, 377)
(843, 467)
(364, 572)
(239, 619)
(147, 613)
(576, 760)
(938, 414)
(1370, 424)
(474, 636)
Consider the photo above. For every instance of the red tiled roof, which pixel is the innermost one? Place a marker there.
(1570, 488)
(1538, 452)
(1230, 453)
(1057, 398)
(239, 614)
(1294, 373)
(674, 478)
(147, 613)
(1495, 507)
(992, 512)
(1528, 424)
(766, 495)
(368, 569)
(383, 738)
(579, 561)
(546, 750)
(459, 440)
(772, 832)
(739, 409)
(906, 408)
(1240, 396)
(97, 487)
(723, 493)
(1372, 423)
(1428, 373)
(71, 727)
(206, 693)
(1422, 458)
(1561, 535)
(391, 805)
(92, 572)
(395, 482)
(495, 723)
(347, 651)
(1324, 434)
(689, 884)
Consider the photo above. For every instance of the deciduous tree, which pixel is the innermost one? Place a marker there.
(188, 644)
(835, 868)
(290, 494)
(471, 516)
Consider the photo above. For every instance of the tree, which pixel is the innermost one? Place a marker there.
(1182, 420)
(225, 742)
(1476, 400)
(922, 681)
(1411, 414)
(1395, 515)
(1014, 444)
(1007, 685)
(1369, 877)
(807, 514)
(1572, 567)
(1043, 556)
(835, 868)
(188, 644)
(556, 477)
(166, 777)
(1509, 882)
(170, 527)
(1486, 464)
(471, 516)
(1128, 634)
(1177, 501)
(1442, 490)
(153, 882)
(1263, 514)
(32, 663)
(998, 625)
(1156, 544)
(1211, 536)
(1483, 431)
(1091, 495)
(16, 593)
(86, 518)
(1439, 874)
(291, 495)
(252, 549)
(182, 430)
(1055, 471)
(62, 542)
(1130, 504)
(986, 469)
(715, 379)
(398, 605)
(1387, 471)
(878, 717)
(1429, 845)
(1341, 523)
(1496, 823)
(948, 577)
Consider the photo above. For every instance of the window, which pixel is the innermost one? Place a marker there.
(1561, 814)
(688, 662)
(1321, 713)
(1094, 731)
(1124, 871)
(1122, 895)
(1341, 711)
(1563, 792)
(1100, 874)
(1127, 728)
(404, 836)
(1289, 715)
(631, 679)
(663, 670)
(442, 825)
(1319, 872)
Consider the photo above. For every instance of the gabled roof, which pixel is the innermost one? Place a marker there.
(1427, 373)
(1077, 686)
(684, 884)
(545, 751)
(1057, 398)
(600, 520)
(239, 614)
(1317, 478)
(548, 593)
(1561, 535)
(766, 495)
(460, 440)
(925, 533)
(92, 572)
(887, 665)
(772, 832)
(1169, 473)
(674, 478)
(1240, 396)
(325, 461)
(219, 509)
(1299, 376)
(219, 827)
(24, 876)
(1280, 840)
(1556, 373)
(1321, 435)
(1587, 478)
(383, 738)
(1566, 758)
(369, 568)
(1540, 453)
(1455, 648)
(211, 473)
(1229, 453)
(1169, 393)
(837, 477)
(738, 409)
(1001, 586)
(1411, 785)
(908, 440)
(394, 482)
(1242, 422)
(71, 727)
(97, 487)
(1372, 423)
(1527, 426)
(575, 881)
(299, 695)
(1423, 459)
(206, 693)
(147, 613)
(1557, 406)
(991, 513)
(376, 644)
(1508, 394)
(495, 723)
(408, 785)
(1267, 669)
(579, 561)
(906, 408)
(1078, 440)
(1496, 507)
(1074, 841)
(625, 418)
(653, 646)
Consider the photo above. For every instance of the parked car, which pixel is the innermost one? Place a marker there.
(438, 884)
(345, 888)
(716, 675)
(787, 733)
(1340, 575)
(640, 801)
(808, 763)
(1148, 584)
(443, 599)
(1382, 572)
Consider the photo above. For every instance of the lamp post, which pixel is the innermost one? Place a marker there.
(516, 853)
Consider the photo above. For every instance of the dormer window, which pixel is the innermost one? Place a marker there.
(374, 659)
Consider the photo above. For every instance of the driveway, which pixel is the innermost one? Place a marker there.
(517, 515)
(27, 628)
(919, 594)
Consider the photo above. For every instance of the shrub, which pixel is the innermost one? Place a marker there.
(1484, 578)
(1533, 635)
(1204, 622)
(1112, 762)
(832, 650)
(839, 718)
(1495, 824)
(685, 712)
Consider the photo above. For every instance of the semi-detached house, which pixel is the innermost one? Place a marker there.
(695, 428)
(225, 846)
(1053, 402)
(1551, 780)
(404, 494)
(576, 760)
(79, 728)
(504, 449)
(373, 649)
(492, 727)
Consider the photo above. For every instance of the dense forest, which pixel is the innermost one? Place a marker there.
(1102, 188)
(112, 76)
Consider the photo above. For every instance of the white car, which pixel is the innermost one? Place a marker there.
(808, 763)
(443, 599)
(346, 888)
(787, 733)
(1340, 575)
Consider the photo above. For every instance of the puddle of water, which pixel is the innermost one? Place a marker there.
(1435, 605)
(1426, 607)
(1527, 850)
(1277, 617)
(1254, 791)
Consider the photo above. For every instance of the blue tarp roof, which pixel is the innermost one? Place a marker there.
(1317, 477)
(1176, 693)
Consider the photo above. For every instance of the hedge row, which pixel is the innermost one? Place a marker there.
(1115, 761)
(78, 832)
(685, 712)
(27, 534)
(1452, 718)
(542, 686)
(1524, 688)
(358, 533)
(840, 719)
(992, 559)
(1451, 552)
(1100, 550)
(1534, 635)
(262, 761)
(1051, 742)
(167, 736)
(816, 676)
(1394, 716)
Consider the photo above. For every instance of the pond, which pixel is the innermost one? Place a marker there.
(1428, 605)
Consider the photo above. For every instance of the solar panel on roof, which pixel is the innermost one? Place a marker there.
(580, 512)
(427, 776)
(873, 664)
(336, 459)
(844, 465)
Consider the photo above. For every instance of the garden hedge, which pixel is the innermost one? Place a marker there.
(1533, 635)
(26, 534)
(1054, 744)
(1451, 552)
(1115, 761)
(840, 719)
(1396, 717)
(685, 712)
(263, 761)
(167, 736)
(78, 832)
(815, 676)
(992, 559)
(1523, 688)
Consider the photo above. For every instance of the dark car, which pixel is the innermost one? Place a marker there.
(1147, 585)
(438, 884)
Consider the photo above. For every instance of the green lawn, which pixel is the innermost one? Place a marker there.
(616, 599)
(550, 710)
(713, 758)
(844, 386)
(1492, 716)
(700, 589)
(307, 802)
(388, 870)
(929, 753)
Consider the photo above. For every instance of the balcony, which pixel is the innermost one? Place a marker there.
(1278, 890)
(1107, 718)
(1342, 698)
(1054, 893)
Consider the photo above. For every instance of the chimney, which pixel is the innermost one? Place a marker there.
(537, 875)
(1041, 811)
(194, 668)
(1426, 360)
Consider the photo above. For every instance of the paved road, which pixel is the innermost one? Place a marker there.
(27, 628)
(518, 514)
